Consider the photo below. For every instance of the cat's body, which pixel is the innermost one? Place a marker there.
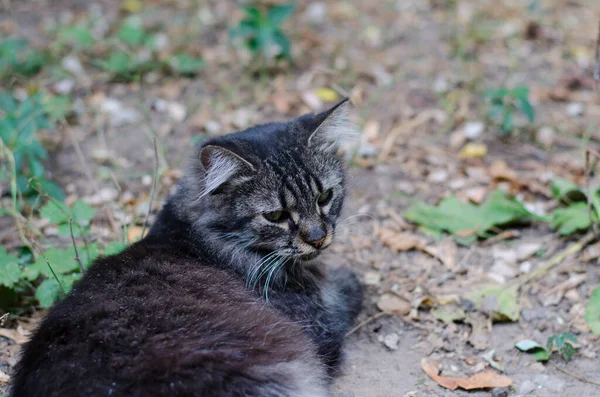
(218, 300)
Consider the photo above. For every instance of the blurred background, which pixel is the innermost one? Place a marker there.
(457, 100)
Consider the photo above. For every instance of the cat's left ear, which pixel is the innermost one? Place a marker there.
(335, 128)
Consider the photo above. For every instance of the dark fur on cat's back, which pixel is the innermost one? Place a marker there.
(224, 297)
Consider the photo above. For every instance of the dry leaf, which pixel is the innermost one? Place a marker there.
(445, 252)
(401, 241)
(472, 151)
(486, 380)
(392, 303)
(500, 171)
(134, 233)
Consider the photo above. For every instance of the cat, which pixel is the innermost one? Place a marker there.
(226, 296)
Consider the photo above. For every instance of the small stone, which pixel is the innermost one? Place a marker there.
(473, 129)
(533, 314)
(527, 387)
(105, 195)
(241, 118)
(372, 278)
(64, 87)
(119, 115)
(391, 341)
(545, 136)
(161, 41)
(316, 12)
(440, 85)
(176, 111)
(552, 383)
(437, 176)
(312, 100)
(501, 392)
(146, 180)
(574, 109)
(73, 65)
(527, 250)
(525, 267)
(213, 127)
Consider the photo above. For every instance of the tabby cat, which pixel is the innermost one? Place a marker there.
(225, 296)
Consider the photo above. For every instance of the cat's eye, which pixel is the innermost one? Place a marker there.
(324, 197)
(276, 216)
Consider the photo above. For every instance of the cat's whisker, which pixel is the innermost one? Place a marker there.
(355, 216)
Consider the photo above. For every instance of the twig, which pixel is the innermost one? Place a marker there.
(558, 258)
(597, 65)
(589, 196)
(153, 191)
(75, 246)
(367, 321)
(49, 265)
(578, 377)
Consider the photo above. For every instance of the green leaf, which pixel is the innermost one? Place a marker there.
(575, 217)
(277, 14)
(542, 354)
(79, 36)
(449, 313)
(57, 106)
(132, 32)
(56, 212)
(186, 64)
(502, 301)
(564, 189)
(114, 248)
(62, 262)
(118, 62)
(495, 93)
(47, 293)
(520, 92)
(527, 345)
(507, 122)
(64, 230)
(252, 12)
(51, 189)
(567, 352)
(466, 220)
(592, 312)
(527, 109)
(83, 212)
(10, 272)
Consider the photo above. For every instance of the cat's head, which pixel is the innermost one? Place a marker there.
(278, 187)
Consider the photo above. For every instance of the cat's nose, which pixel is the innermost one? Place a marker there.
(315, 237)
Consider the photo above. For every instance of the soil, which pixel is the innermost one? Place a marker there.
(398, 60)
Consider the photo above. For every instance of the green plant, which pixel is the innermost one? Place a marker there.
(61, 215)
(134, 51)
(261, 31)
(575, 214)
(564, 343)
(17, 57)
(20, 124)
(503, 103)
(592, 312)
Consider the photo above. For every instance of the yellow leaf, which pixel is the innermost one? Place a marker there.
(473, 150)
(132, 5)
(327, 94)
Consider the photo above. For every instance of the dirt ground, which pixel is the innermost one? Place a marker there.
(416, 71)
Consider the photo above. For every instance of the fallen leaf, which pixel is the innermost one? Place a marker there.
(480, 335)
(500, 301)
(486, 380)
(327, 94)
(490, 359)
(401, 241)
(391, 303)
(445, 252)
(134, 233)
(449, 313)
(500, 171)
(472, 151)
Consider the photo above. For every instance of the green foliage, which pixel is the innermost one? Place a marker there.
(59, 214)
(592, 312)
(564, 343)
(17, 57)
(79, 36)
(501, 302)
(576, 215)
(503, 103)
(261, 32)
(20, 124)
(467, 222)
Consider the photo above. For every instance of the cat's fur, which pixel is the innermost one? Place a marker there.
(216, 300)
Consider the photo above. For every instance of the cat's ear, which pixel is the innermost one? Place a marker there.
(334, 128)
(221, 165)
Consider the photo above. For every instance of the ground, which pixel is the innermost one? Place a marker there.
(416, 71)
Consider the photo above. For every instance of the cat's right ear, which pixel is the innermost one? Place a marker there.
(220, 166)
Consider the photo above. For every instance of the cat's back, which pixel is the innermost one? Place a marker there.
(148, 322)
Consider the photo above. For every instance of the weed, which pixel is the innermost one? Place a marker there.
(261, 32)
(503, 103)
(564, 343)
